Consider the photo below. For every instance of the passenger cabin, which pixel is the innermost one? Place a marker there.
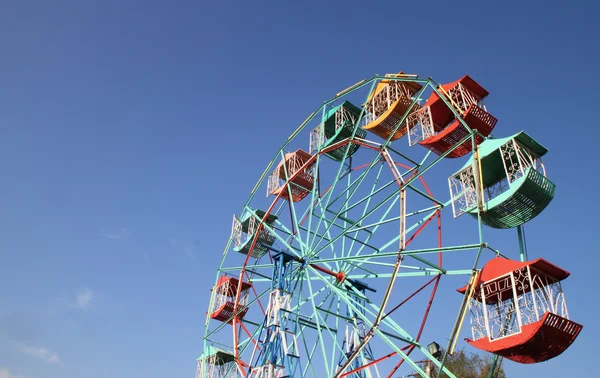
(518, 310)
(388, 104)
(293, 177)
(438, 129)
(512, 182)
(244, 230)
(216, 364)
(337, 127)
(223, 305)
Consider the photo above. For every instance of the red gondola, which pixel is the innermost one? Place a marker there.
(439, 130)
(224, 300)
(519, 310)
(300, 174)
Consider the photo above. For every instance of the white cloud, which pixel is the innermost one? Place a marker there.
(189, 252)
(186, 247)
(47, 355)
(84, 298)
(5, 373)
(123, 234)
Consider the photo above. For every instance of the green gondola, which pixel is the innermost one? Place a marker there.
(247, 224)
(515, 186)
(339, 125)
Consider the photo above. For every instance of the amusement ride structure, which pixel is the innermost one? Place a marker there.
(335, 260)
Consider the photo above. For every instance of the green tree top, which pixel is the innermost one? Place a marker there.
(470, 365)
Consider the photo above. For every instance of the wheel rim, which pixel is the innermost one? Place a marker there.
(345, 240)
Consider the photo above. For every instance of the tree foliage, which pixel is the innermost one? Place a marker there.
(470, 365)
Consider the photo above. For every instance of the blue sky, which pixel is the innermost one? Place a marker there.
(132, 131)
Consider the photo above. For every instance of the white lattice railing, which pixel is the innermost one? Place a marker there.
(548, 296)
(317, 139)
(477, 318)
(463, 191)
(517, 158)
(236, 231)
(216, 367)
(382, 101)
(293, 164)
(240, 237)
(273, 183)
(200, 368)
(463, 97)
(420, 126)
(222, 295)
(344, 118)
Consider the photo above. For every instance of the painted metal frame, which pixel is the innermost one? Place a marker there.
(304, 242)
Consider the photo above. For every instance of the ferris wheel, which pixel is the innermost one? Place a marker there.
(335, 259)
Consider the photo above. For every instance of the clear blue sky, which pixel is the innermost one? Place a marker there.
(131, 131)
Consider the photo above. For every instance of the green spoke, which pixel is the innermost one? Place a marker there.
(365, 209)
(375, 208)
(382, 221)
(377, 331)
